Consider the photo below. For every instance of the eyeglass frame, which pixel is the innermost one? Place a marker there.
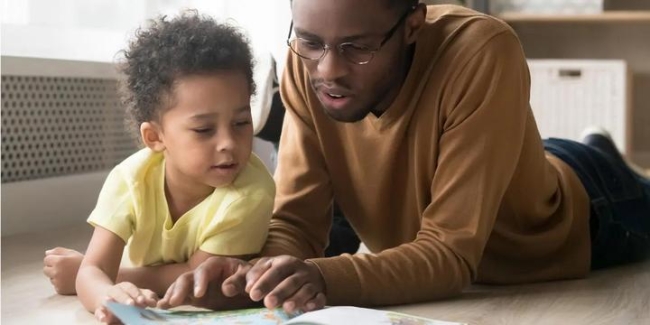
(339, 47)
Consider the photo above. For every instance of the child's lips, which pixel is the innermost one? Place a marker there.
(225, 166)
(225, 169)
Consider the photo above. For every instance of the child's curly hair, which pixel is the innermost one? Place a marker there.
(170, 49)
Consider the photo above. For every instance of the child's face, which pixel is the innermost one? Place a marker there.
(208, 131)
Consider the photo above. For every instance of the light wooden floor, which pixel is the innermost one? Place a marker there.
(615, 296)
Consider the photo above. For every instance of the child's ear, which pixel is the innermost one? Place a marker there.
(152, 136)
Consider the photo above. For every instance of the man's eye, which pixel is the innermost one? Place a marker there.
(356, 47)
(311, 45)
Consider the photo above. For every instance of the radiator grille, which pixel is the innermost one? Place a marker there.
(53, 126)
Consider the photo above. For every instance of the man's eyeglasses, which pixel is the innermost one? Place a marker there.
(355, 53)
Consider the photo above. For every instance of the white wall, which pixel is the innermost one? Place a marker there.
(95, 30)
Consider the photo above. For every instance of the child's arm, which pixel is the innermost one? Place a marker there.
(159, 278)
(98, 269)
(62, 265)
(97, 273)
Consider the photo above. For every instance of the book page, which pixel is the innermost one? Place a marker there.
(132, 315)
(361, 316)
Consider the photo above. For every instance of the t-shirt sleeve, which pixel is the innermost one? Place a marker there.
(241, 229)
(115, 210)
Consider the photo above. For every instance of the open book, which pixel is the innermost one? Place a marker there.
(131, 315)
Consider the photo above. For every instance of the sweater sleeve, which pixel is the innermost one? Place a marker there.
(302, 212)
(484, 119)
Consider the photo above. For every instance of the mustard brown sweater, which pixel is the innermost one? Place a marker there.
(449, 186)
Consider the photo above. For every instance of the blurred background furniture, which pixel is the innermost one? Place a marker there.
(618, 32)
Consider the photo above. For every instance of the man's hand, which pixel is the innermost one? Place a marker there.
(203, 286)
(61, 266)
(281, 281)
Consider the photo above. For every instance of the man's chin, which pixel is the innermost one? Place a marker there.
(346, 116)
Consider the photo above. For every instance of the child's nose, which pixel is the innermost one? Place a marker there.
(226, 141)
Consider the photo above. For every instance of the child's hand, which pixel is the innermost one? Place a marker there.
(203, 286)
(125, 293)
(103, 315)
(61, 266)
(284, 281)
(128, 293)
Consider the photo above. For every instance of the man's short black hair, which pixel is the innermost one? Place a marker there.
(398, 5)
(169, 49)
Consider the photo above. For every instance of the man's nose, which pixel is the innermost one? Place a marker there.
(332, 65)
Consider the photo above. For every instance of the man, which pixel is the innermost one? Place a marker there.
(416, 121)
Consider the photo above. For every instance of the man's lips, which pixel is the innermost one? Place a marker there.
(334, 92)
(333, 101)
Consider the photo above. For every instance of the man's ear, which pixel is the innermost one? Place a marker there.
(415, 22)
(151, 135)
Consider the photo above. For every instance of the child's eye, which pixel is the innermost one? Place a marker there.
(242, 123)
(203, 130)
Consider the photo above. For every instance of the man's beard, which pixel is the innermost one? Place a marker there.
(346, 118)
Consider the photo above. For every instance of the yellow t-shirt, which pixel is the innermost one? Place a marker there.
(233, 220)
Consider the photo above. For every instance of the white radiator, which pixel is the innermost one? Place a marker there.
(569, 95)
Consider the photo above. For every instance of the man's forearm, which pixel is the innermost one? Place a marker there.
(156, 278)
(282, 240)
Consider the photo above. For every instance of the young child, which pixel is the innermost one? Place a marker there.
(196, 190)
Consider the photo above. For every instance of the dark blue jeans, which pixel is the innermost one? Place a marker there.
(620, 203)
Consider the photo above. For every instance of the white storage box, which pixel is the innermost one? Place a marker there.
(566, 7)
(569, 95)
